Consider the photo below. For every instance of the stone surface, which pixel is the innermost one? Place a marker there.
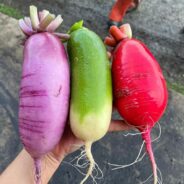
(157, 23)
(165, 42)
(116, 148)
(10, 69)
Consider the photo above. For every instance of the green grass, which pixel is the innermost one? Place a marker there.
(10, 11)
(175, 86)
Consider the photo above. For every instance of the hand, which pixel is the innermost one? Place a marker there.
(69, 143)
(20, 171)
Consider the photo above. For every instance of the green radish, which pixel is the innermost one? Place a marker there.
(91, 88)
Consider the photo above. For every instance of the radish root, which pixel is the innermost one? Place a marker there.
(147, 138)
(37, 163)
(91, 160)
(138, 159)
(84, 160)
(147, 142)
(160, 179)
(140, 133)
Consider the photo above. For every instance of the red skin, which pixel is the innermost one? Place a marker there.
(139, 88)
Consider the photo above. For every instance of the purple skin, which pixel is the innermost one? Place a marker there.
(44, 94)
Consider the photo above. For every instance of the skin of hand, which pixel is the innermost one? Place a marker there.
(21, 170)
(69, 143)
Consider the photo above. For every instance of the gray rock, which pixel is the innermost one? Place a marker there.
(10, 70)
(113, 148)
(157, 23)
(118, 149)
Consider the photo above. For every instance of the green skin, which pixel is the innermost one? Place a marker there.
(91, 87)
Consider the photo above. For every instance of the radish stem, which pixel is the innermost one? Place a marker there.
(43, 14)
(34, 17)
(55, 24)
(25, 28)
(126, 29)
(46, 21)
(42, 21)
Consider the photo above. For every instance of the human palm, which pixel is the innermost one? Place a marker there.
(70, 143)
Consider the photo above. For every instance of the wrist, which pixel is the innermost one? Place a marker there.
(21, 170)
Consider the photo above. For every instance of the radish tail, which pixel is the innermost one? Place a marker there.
(37, 163)
(147, 138)
(91, 160)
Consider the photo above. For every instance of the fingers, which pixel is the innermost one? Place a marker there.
(115, 126)
(119, 125)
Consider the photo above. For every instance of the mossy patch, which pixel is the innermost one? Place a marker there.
(12, 12)
(176, 86)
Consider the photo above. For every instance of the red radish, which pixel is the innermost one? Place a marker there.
(139, 88)
(44, 88)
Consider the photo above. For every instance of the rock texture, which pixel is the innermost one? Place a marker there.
(10, 70)
(158, 24)
(116, 148)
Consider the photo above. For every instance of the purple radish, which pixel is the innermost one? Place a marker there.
(44, 88)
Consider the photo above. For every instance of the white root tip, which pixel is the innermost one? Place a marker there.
(155, 178)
